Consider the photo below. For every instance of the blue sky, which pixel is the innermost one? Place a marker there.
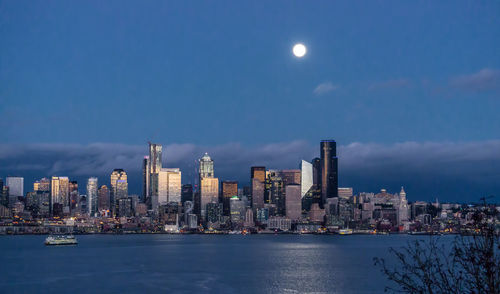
(222, 72)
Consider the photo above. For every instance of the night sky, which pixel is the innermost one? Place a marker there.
(410, 91)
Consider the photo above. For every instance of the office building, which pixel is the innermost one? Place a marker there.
(92, 196)
(293, 202)
(145, 178)
(345, 193)
(237, 210)
(329, 170)
(118, 175)
(60, 191)
(187, 193)
(103, 198)
(209, 193)
(41, 185)
(228, 190)
(258, 178)
(16, 186)
(169, 187)
(306, 177)
(214, 213)
(206, 169)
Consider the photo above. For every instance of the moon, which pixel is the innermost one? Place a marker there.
(299, 50)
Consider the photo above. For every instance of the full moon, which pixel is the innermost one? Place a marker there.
(299, 50)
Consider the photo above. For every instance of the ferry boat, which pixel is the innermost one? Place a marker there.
(345, 232)
(61, 240)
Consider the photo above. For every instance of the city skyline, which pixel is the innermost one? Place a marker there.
(279, 161)
(417, 101)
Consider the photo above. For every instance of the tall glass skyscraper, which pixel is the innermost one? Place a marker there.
(154, 167)
(306, 177)
(329, 170)
(92, 196)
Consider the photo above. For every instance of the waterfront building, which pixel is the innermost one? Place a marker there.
(92, 196)
(316, 214)
(192, 221)
(279, 223)
(214, 213)
(329, 170)
(103, 198)
(187, 193)
(293, 202)
(249, 223)
(229, 189)
(16, 186)
(306, 177)
(262, 215)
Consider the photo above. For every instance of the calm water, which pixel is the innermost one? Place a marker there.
(196, 263)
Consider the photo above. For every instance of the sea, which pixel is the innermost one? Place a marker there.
(160, 263)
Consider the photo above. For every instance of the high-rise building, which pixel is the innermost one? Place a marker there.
(169, 187)
(154, 166)
(306, 178)
(209, 193)
(118, 175)
(277, 193)
(206, 167)
(16, 186)
(258, 178)
(290, 176)
(293, 202)
(41, 185)
(187, 193)
(329, 170)
(237, 210)
(103, 196)
(60, 191)
(74, 195)
(145, 178)
(92, 196)
(229, 189)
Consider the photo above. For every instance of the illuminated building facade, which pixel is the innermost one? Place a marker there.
(329, 170)
(92, 196)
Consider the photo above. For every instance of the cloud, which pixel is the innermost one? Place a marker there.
(324, 88)
(483, 80)
(390, 84)
(459, 171)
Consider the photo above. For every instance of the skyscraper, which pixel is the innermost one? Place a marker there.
(169, 187)
(115, 193)
(329, 170)
(154, 171)
(293, 202)
(187, 193)
(16, 186)
(229, 189)
(258, 180)
(209, 193)
(92, 197)
(103, 195)
(306, 178)
(60, 191)
(145, 178)
(206, 167)
(74, 195)
(41, 185)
